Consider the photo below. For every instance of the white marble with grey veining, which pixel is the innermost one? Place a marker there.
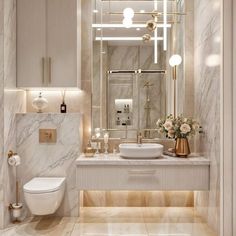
(116, 159)
(12, 101)
(38, 159)
(1, 114)
(207, 29)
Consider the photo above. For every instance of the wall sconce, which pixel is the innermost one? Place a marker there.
(175, 60)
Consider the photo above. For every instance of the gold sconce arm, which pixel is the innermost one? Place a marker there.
(174, 61)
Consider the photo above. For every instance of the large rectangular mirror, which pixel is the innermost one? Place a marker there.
(132, 84)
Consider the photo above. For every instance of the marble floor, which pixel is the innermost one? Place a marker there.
(132, 221)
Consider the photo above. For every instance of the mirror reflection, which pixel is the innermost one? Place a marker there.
(132, 79)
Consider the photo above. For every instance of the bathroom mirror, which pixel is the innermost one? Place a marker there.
(132, 79)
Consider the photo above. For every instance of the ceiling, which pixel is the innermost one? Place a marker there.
(111, 12)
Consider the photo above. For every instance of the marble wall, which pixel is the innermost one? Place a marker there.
(207, 72)
(1, 113)
(57, 159)
(12, 101)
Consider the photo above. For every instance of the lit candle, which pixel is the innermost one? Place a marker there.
(106, 138)
(97, 132)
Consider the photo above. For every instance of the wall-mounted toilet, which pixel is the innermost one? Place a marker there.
(43, 195)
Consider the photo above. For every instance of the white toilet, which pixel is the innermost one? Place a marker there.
(43, 195)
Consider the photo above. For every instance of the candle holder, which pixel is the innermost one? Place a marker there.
(106, 140)
(97, 147)
(97, 134)
(106, 148)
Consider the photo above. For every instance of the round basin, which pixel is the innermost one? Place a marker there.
(143, 151)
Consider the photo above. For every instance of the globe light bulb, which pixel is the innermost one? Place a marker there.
(128, 13)
(175, 60)
(127, 22)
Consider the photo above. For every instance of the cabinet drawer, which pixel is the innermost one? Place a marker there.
(195, 177)
(119, 178)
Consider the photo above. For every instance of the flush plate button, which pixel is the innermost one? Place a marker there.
(47, 135)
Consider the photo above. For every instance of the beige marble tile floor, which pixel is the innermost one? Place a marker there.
(115, 221)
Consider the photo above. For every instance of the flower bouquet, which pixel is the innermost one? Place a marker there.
(179, 128)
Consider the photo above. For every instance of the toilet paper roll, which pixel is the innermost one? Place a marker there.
(14, 160)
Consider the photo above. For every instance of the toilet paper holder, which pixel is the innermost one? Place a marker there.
(16, 207)
(11, 153)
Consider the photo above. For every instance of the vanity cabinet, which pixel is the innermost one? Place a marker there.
(136, 177)
(48, 43)
(111, 172)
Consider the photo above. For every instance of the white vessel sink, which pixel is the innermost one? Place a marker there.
(143, 151)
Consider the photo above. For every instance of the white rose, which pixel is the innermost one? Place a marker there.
(185, 128)
(168, 125)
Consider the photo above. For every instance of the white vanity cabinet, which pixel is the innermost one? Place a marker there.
(111, 172)
(138, 177)
(115, 173)
(48, 43)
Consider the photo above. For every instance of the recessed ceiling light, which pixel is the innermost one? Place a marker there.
(137, 29)
(98, 29)
(95, 11)
(142, 11)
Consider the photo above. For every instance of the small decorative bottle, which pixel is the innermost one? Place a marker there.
(128, 122)
(128, 108)
(125, 109)
(63, 105)
(118, 121)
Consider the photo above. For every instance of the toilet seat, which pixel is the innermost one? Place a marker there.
(43, 185)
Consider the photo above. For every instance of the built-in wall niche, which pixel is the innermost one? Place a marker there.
(124, 115)
(73, 100)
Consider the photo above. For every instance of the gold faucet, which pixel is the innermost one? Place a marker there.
(139, 138)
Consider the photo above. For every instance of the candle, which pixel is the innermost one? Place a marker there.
(97, 132)
(106, 137)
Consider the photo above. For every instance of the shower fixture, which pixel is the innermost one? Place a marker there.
(147, 108)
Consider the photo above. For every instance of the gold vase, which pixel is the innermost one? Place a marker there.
(182, 147)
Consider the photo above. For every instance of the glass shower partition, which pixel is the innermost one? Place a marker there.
(135, 101)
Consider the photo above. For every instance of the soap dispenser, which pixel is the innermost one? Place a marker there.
(127, 108)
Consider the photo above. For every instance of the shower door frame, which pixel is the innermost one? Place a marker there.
(135, 73)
